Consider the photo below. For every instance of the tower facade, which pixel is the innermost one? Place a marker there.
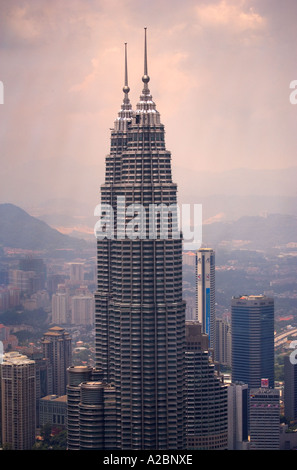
(264, 419)
(206, 396)
(252, 326)
(56, 347)
(140, 312)
(18, 401)
(290, 390)
(238, 406)
(205, 291)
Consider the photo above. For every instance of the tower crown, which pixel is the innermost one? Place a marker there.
(125, 113)
(146, 107)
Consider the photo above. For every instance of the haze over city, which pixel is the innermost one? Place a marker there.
(220, 74)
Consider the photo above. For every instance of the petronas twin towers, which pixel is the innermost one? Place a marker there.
(140, 312)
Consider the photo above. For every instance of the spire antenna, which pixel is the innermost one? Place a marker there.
(145, 77)
(126, 88)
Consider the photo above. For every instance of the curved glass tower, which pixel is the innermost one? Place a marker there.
(140, 312)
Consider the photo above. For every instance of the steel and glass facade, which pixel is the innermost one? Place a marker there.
(205, 291)
(140, 312)
(252, 324)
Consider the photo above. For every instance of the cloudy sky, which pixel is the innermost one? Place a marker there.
(220, 74)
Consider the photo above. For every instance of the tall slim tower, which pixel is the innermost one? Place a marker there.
(140, 312)
(252, 326)
(205, 291)
(56, 347)
(17, 401)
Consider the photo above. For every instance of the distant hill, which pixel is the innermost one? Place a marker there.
(254, 232)
(18, 229)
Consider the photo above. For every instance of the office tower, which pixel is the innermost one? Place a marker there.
(18, 401)
(53, 281)
(82, 309)
(222, 344)
(56, 347)
(90, 410)
(264, 419)
(140, 312)
(76, 272)
(238, 409)
(252, 326)
(60, 308)
(206, 396)
(290, 389)
(205, 291)
(9, 297)
(75, 376)
(25, 281)
(97, 416)
(43, 373)
(38, 266)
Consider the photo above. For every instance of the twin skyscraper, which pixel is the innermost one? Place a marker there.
(140, 311)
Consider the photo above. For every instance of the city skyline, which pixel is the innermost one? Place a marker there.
(56, 145)
(221, 69)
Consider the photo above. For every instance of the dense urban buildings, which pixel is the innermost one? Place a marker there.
(252, 323)
(18, 402)
(140, 312)
(264, 418)
(153, 380)
(205, 289)
(206, 395)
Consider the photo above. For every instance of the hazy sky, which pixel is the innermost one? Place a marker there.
(220, 74)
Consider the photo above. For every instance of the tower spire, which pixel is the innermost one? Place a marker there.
(145, 77)
(126, 88)
(125, 114)
(145, 106)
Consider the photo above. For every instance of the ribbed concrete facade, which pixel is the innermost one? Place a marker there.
(140, 312)
(264, 419)
(90, 410)
(18, 401)
(56, 347)
(206, 396)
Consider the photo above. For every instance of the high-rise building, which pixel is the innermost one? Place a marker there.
(252, 327)
(82, 309)
(206, 395)
(140, 311)
(75, 376)
(205, 291)
(60, 308)
(264, 419)
(97, 416)
(56, 347)
(91, 417)
(18, 401)
(290, 389)
(76, 272)
(238, 423)
(222, 344)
